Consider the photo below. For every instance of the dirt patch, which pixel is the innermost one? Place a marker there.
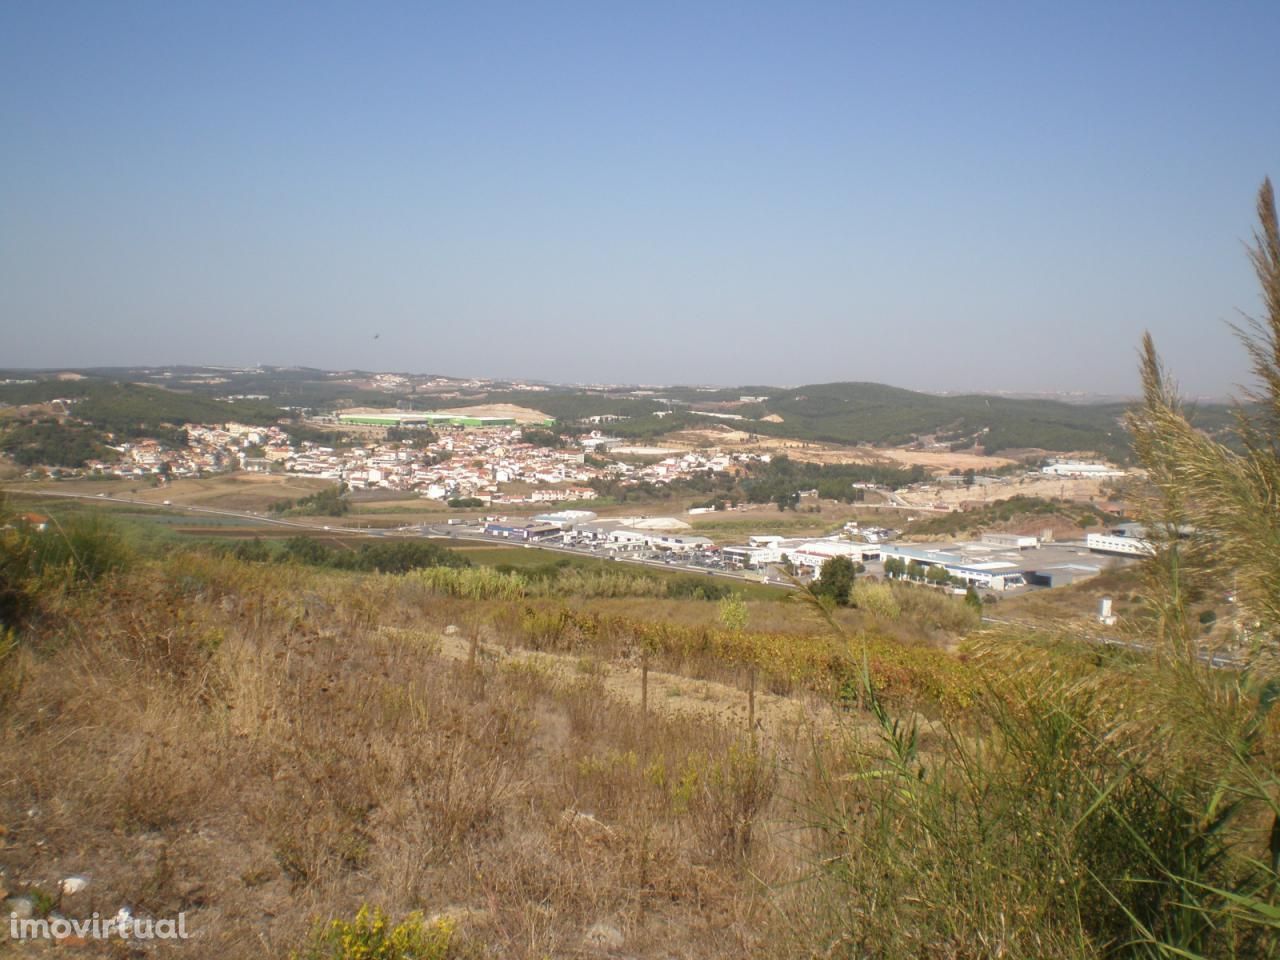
(739, 441)
(647, 451)
(516, 413)
(1066, 488)
(943, 461)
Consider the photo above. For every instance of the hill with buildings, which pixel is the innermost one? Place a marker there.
(78, 411)
(861, 413)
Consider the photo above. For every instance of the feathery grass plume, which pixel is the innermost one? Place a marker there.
(1214, 518)
(1216, 510)
(1095, 802)
(471, 583)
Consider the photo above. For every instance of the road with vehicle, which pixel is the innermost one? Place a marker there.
(466, 531)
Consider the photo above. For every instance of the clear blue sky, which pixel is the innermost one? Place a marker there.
(936, 195)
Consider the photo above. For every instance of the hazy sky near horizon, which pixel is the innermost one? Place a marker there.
(944, 196)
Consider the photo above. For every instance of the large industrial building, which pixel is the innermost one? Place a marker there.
(622, 535)
(1126, 540)
(1002, 562)
(990, 573)
(384, 419)
(522, 530)
(1077, 468)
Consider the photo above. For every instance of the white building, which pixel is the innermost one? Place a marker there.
(1129, 541)
(1016, 540)
(813, 554)
(1077, 468)
(987, 574)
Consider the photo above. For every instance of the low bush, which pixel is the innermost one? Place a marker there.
(875, 598)
(75, 552)
(371, 935)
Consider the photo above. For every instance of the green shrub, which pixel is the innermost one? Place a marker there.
(692, 588)
(735, 791)
(1099, 835)
(393, 556)
(252, 551)
(81, 549)
(77, 551)
(875, 598)
(11, 667)
(372, 936)
(328, 502)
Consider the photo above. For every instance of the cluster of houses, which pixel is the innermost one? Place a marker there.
(685, 465)
(209, 449)
(480, 463)
(493, 464)
(471, 463)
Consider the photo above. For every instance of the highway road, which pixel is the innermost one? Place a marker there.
(175, 507)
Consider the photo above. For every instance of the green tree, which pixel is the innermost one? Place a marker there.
(252, 550)
(306, 550)
(836, 580)
(328, 502)
(540, 438)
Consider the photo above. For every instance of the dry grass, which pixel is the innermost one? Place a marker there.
(265, 746)
(246, 744)
(234, 491)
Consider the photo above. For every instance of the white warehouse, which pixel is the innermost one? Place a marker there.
(1077, 468)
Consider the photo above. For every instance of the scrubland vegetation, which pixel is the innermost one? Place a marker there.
(328, 502)
(274, 747)
(1016, 509)
(460, 762)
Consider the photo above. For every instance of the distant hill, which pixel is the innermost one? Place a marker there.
(105, 412)
(851, 412)
(879, 414)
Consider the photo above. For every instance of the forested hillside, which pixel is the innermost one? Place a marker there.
(868, 413)
(850, 413)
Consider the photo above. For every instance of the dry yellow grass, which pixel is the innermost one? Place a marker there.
(261, 746)
(232, 491)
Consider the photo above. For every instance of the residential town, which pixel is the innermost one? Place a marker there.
(456, 463)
